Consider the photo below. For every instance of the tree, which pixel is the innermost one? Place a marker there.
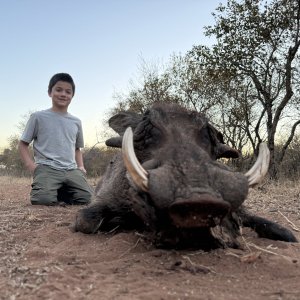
(154, 85)
(187, 80)
(203, 89)
(11, 160)
(96, 159)
(257, 46)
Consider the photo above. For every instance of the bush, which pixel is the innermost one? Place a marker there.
(96, 160)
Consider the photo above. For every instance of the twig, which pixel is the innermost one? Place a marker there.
(201, 252)
(128, 250)
(246, 244)
(187, 258)
(232, 254)
(58, 268)
(98, 226)
(274, 253)
(294, 227)
(114, 229)
(200, 267)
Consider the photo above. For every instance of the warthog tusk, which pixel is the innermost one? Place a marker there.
(137, 173)
(260, 168)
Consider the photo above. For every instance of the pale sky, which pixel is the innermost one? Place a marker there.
(100, 43)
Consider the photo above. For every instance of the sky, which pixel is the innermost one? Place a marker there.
(100, 43)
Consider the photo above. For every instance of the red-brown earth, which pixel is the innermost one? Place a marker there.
(41, 258)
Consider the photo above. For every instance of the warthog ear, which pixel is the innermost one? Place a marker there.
(220, 148)
(226, 151)
(122, 120)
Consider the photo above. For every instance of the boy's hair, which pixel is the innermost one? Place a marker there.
(61, 77)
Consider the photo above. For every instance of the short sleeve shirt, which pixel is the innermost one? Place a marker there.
(55, 138)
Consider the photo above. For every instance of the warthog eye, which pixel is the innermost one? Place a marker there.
(147, 136)
(204, 140)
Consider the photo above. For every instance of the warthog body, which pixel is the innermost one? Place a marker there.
(173, 187)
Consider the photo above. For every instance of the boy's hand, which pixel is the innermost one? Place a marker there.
(31, 167)
(82, 169)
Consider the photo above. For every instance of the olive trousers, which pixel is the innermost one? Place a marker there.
(51, 186)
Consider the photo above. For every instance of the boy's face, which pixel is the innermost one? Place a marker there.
(61, 94)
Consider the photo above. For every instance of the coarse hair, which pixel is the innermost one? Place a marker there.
(61, 77)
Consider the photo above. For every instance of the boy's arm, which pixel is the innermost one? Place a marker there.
(79, 160)
(26, 156)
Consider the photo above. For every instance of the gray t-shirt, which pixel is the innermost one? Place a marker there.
(55, 137)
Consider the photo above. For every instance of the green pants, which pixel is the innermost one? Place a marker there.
(51, 186)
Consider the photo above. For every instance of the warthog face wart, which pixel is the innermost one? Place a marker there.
(168, 181)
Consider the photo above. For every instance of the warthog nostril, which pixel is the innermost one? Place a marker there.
(199, 211)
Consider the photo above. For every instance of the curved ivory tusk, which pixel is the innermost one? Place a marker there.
(137, 173)
(260, 168)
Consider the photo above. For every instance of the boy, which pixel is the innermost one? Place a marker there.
(58, 169)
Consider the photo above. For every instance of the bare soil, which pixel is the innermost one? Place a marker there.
(41, 258)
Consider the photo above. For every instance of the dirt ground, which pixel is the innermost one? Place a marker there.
(41, 258)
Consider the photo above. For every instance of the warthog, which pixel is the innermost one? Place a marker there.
(168, 182)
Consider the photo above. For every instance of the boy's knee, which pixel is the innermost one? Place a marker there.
(83, 197)
(43, 202)
(73, 197)
(43, 199)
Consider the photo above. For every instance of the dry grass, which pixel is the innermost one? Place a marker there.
(5, 180)
(281, 199)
